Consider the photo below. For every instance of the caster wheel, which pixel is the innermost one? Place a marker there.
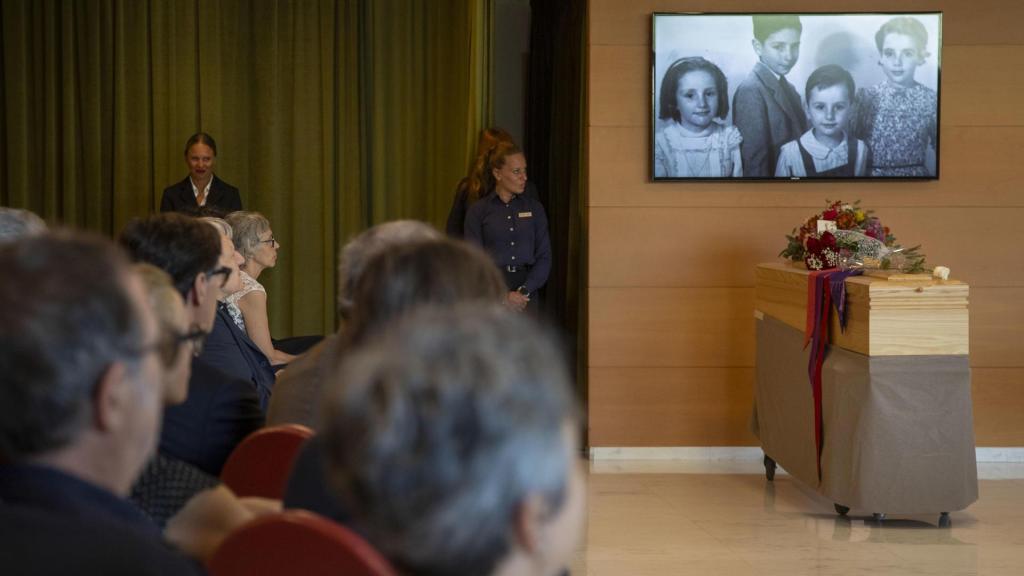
(878, 516)
(842, 510)
(944, 521)
(769, 468)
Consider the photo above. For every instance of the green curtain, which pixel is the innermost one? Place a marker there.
(330, 116)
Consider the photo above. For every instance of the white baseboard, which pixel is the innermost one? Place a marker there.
(741, 453)
(997, 454)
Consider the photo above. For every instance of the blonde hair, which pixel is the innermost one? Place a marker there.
(161, 295)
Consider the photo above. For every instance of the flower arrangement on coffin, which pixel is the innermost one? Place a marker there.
(847, 236)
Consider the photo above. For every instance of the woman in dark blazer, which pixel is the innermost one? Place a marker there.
(201, 187)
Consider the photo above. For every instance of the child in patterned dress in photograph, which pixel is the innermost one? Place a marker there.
(898, 117)
(694, 99)
(826, 150)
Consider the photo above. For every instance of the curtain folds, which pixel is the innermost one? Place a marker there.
(329, 115)
(556, 148)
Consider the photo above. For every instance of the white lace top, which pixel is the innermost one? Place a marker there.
(249, 284)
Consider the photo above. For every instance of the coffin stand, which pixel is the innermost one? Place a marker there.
(898, 435)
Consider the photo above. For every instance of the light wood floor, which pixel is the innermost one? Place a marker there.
(725, 519)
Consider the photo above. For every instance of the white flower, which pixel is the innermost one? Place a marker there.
(940, 273)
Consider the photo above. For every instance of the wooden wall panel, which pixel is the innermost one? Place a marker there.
(678, 406)
(620, 85)
(720, 246)
(997, 328)
(680, 327)
(671, 327)
(712, 406)
(672, 247)
(978, 22)
(670, 264)
(989, 177)
(998, 395)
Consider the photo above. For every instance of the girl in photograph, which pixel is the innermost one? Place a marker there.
(696, 143)
(898, 117)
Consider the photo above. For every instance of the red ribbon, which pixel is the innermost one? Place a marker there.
(820, 287)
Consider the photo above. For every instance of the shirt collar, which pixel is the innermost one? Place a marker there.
(497, 199)
(819, 150)
(769, 70)
(195, 190)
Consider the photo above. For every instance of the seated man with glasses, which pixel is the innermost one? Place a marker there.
(79, 411)
(220, 409)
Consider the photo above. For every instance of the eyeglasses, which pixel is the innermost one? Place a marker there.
(171, 343)
(223, 270)
(272, 241)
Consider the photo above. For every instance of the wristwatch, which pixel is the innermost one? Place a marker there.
(522, 290)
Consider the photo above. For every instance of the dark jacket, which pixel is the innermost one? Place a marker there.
(180, 197)
(54, 523)
(229, 349)
(220, 412)
(768, 116)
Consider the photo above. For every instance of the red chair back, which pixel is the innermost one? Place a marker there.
(261, 464)
(296, 542)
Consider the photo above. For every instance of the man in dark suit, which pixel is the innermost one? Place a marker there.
(201, 187)
(222, 406)
(228, 347)
(79, 411)
(218, 414)
(766, 107)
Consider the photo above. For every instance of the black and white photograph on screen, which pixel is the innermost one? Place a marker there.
(796, 96)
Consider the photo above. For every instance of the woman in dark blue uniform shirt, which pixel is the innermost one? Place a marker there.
(512, 227)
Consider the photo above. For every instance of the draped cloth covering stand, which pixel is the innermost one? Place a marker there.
(896, 414)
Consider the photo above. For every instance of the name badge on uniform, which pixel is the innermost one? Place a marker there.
(526, 214)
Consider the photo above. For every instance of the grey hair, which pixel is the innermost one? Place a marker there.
(220, 224)
(369, 243)
(16, 223)
(247, 227)
(438, 430)
(65, 317)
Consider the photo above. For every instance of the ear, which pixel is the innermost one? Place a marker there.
(111, 398)
(496, 173)
(758, 48)
(199, 292)
(529, 523)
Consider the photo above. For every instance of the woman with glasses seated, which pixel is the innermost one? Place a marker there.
(167, 483)
(177, 344)
(254, 240)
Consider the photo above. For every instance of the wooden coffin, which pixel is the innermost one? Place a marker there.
(909, 316)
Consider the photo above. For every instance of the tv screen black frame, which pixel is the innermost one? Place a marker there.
(878, 115)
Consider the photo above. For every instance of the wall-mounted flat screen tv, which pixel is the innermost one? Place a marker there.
(786, 96)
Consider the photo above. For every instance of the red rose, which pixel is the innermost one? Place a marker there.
(829, 214)
(828, 240)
